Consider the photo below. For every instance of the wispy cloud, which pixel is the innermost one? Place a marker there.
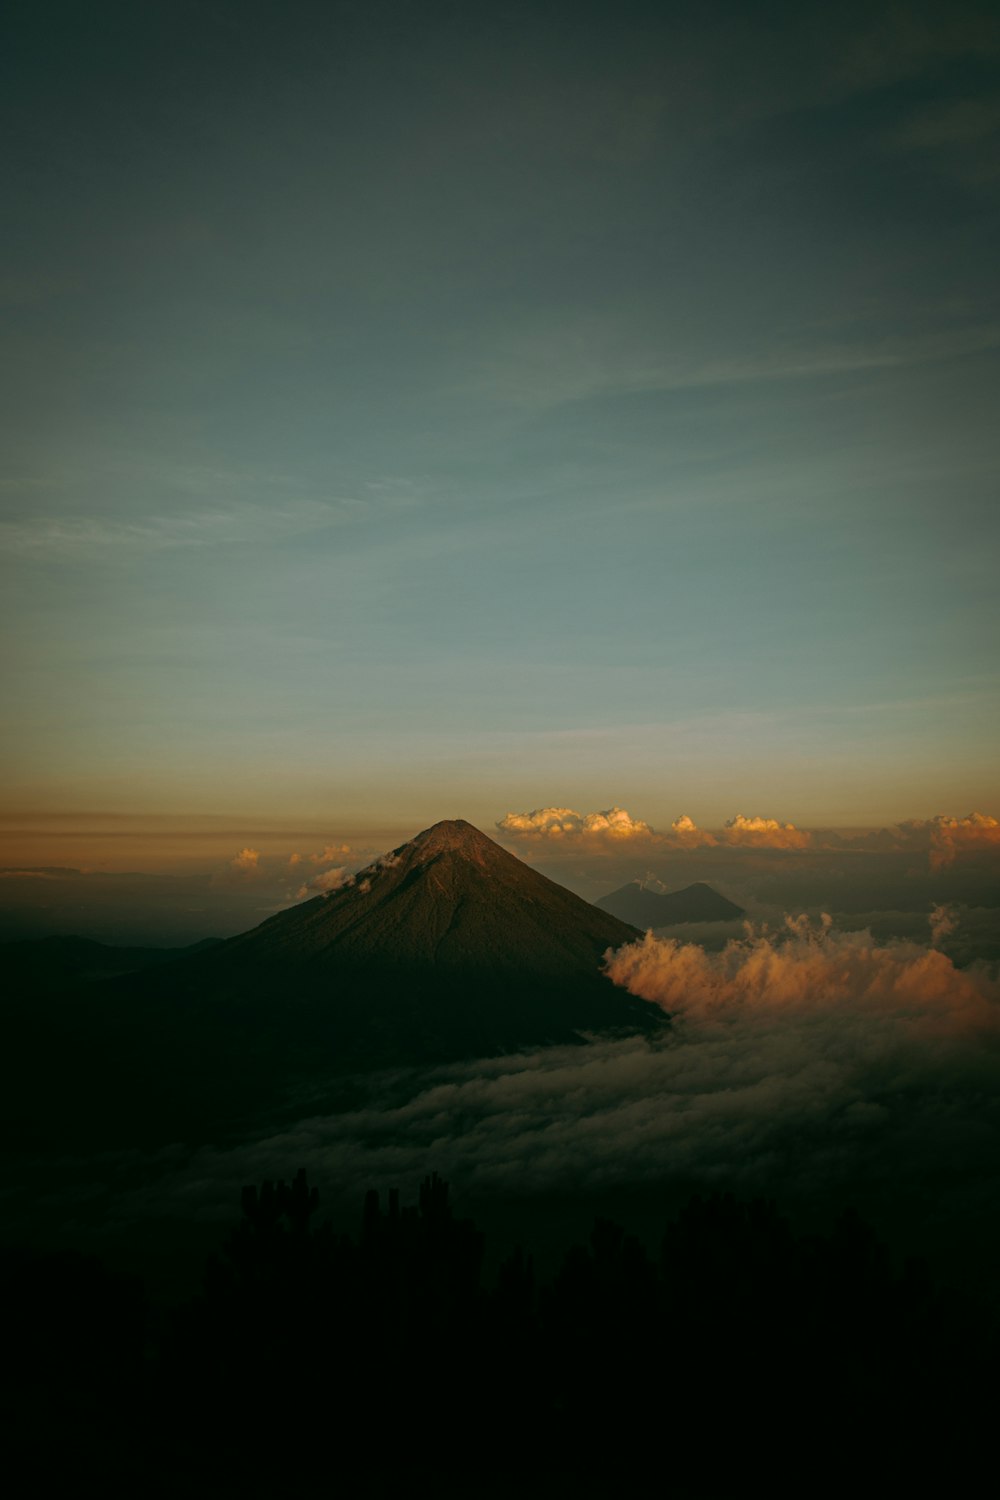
(325, 882)
(81, 538)
(554, 371)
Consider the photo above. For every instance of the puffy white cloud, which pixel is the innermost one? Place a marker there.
(544, 822)
(325, 882)
(558, 823)
(808, 968)
(330, 854)
(685, 833)
(248, 860)
(555, 825)
(765, 833)
(615, 822)
(942, 838)
(945, 838)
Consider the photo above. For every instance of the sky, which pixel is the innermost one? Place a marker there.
(439, 410)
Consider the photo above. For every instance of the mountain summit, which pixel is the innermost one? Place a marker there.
(450, 899)
(447, 948)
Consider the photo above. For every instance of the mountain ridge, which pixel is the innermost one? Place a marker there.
(641, 907)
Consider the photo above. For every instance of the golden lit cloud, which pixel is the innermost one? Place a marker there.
(946, 838)
(809, 968)
(544, 822)
(330, 854)
(765, 833)
(248, 860)
(323, 883)
(559, 823)
(685, 833)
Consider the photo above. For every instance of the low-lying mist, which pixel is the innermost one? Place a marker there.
(815, 1066)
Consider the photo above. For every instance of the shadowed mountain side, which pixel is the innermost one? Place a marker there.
(447, 948)
(50, 965)
(451, 897)
(643, 908)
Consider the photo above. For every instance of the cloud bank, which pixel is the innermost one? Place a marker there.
(686, 834)
(943, 838)
(810, 969)
(765, 833)
(562, 825)
(816, 1066)
(559, 823)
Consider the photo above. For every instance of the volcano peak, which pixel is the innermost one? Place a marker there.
(448, 945)
(450, 833)
(458, 842)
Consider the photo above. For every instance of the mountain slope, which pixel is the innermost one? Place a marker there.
(451, 898)
(446, 947)
(449, 948)
(643, 908)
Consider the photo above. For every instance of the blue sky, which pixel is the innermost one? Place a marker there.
(420, 411)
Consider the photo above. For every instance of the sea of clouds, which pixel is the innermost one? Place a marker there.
(812, 1065)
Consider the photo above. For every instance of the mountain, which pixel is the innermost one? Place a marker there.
(447, 948)
(644, 908)
(450, 899)
(52, 965)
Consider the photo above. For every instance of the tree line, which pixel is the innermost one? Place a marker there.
(384, 1362)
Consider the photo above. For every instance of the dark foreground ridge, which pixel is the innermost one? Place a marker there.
(738, 1356)
(447, 948)
(643, 908)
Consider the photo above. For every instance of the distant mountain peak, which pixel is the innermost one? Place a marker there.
(637, 904)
